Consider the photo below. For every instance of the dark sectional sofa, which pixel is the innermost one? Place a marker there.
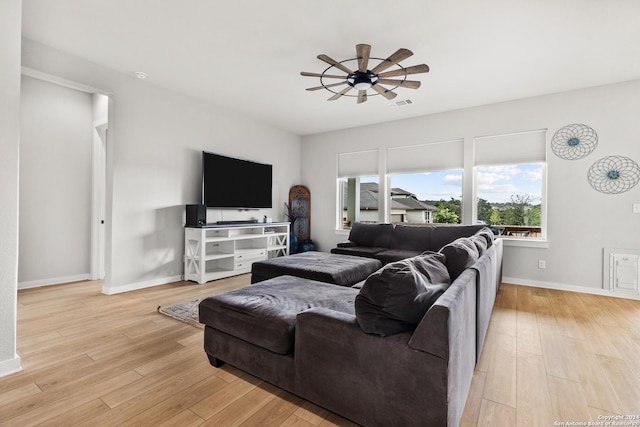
(398, 349)
(389, 242)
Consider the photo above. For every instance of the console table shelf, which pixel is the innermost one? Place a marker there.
(216, 251)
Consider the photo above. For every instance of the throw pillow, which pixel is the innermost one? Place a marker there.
(460, 254)
(487, 234)
(396, 297)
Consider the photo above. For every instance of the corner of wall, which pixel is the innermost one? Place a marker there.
(11, 366)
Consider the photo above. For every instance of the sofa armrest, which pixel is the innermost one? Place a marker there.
(449, 330)
(382, 381)
(452, 316)
(347, 244)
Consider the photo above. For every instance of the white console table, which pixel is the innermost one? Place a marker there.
(216, 251)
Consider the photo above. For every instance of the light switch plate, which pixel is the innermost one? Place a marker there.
(636, 208)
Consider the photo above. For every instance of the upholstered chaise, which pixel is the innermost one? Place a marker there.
(400, 351)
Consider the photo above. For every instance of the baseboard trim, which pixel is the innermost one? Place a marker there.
(566, 287)
(11, 366)
(53, 281)
(112, 290)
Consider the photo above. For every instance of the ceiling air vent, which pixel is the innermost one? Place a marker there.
(400, 103)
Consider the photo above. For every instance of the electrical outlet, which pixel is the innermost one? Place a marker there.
(542, 263)
(636, 208)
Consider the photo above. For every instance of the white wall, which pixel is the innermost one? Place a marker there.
(581, 221)
(153, 167)
(10, 18)
(55, 184)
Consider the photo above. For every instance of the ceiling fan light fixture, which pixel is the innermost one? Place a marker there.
(362, 86)
(362, 81)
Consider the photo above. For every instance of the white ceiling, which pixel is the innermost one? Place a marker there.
(247, 55)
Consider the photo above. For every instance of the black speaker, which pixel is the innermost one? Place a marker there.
(196, 215)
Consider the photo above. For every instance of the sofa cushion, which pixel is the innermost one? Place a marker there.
(442, 235)
(361, 251)
(392, 255)
(460, 254)
(412, 238)
(330, 268)
(395, 298)
(374, 235)
(265, 314)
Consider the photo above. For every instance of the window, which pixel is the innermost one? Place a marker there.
(357, 188)
(426, 182)
(427, 197)
(510, 176)
(505, 184)
(358, 200)
(509, 197)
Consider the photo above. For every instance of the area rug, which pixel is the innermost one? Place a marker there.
(185, 312)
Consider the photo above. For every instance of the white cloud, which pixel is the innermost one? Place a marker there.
(506, 170)
(532, 175)
(503, 188)
(486, 178)
(452, 179)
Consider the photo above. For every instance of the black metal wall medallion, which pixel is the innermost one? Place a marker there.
(574, 141)
(614, 174)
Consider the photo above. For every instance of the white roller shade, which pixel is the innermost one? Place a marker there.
(525, 147)
(361, 163)
(426, 157)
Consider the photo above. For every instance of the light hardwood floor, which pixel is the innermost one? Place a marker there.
(92, 360)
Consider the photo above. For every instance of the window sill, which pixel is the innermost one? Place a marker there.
(525, 243)
(342, 232)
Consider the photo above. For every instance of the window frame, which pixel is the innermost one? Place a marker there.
(543, 201)
(340, 199)
(505, 147)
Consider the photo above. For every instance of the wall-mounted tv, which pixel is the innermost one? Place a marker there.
(235, 183)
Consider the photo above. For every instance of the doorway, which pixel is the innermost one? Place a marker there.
(64, 185)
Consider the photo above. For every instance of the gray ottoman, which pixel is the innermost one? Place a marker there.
(265, 314)
(343, 270)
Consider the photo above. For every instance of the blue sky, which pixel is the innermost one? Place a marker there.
(495, 183)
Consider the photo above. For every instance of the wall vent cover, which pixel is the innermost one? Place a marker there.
(621, 272)
(402, 103)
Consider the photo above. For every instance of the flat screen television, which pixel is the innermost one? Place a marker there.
(235, 183)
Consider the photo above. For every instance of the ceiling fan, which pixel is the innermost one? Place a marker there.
(363, 78)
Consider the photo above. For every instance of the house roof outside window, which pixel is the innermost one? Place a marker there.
(400, 199)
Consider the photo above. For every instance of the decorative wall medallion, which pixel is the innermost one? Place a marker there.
(614, 174)
(574, 141)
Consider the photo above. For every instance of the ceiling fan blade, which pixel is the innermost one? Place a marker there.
(335, 63)
(416, 69)
(362, 96)
(384, 92)
(339, 94)
(363, 51)
(325, 86)
(329, 76)
(395, 57)
(411, 84)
